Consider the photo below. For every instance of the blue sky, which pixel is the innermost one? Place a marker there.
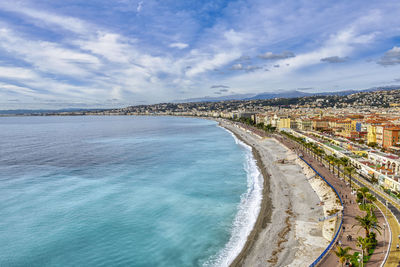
(104, 53)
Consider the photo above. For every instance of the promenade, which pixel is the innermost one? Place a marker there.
(392, 213)
(350, 211)
(292, 235)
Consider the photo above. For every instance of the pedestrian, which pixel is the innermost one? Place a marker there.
(397, 246)
(344, 228)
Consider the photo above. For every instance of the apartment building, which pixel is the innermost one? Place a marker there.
(391, 137)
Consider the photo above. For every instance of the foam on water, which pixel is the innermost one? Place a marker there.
(123, 191)
(248, 211)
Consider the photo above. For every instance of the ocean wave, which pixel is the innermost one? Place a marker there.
(248, 210)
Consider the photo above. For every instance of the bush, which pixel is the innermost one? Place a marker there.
(359, 197)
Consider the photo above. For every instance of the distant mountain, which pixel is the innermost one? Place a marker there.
(215, 99)
(284, 94)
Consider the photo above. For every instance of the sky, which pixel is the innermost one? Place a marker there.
(116, 53)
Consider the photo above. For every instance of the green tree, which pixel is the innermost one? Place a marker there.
(372, 144)
(330, 159)
(345, 161)
(349, 171)
(365, 244)
(374, 180)
(367, 223)
(362, 194)
(338, 164)
(343, 254)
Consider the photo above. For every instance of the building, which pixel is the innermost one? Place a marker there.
(320, 124)
(247, 115)
(284, 123)
(379, 134)
(260, 118)
(391, 137)
(304, 124)
(371, 136)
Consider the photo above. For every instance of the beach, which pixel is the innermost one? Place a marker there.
(287, 231)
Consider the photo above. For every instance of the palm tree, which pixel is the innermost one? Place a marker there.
(367, 223)
(370, 197)
(365, 244)
(338, 164)
(349, 171)
(329, 159)
(369, 208)
(343, 254)
(345, 161)
(363, 191)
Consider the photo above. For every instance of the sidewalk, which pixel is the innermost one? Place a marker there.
(351, 210)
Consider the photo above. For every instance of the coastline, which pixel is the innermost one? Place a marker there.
(264, 215)
(281, 235)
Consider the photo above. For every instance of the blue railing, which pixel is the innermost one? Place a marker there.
(341, 220)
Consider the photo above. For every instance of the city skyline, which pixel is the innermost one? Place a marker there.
(102, 54)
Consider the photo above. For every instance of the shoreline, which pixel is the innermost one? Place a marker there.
(287, 230)
(265, 213)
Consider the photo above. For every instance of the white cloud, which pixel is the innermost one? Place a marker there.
(139, 7)
(17, 89)
(237, 66)
(111, 46)
(178, 45)
(46, 19)
(213, 62)
(93, 63)
(17, 73)
(49, 57)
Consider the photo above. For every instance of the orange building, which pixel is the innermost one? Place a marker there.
(391, 137)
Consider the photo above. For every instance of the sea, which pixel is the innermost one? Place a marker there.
(124, 191)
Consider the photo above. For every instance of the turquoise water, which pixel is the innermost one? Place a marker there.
(123, 191)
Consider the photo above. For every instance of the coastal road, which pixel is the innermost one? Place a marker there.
(350, 211)
(392, 213)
